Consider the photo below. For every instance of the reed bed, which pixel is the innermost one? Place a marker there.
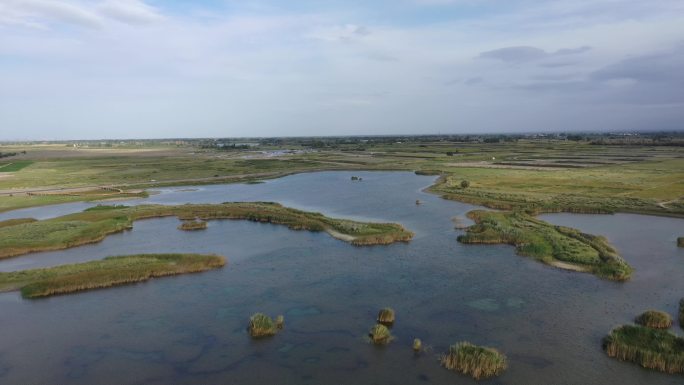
(476, 361)
(93, 225)
(654, 319)
(651, 348)
(193, 225)
(554, 245)
(111, 271)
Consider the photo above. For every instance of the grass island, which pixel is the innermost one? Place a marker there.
(93, 225)
(111, 271)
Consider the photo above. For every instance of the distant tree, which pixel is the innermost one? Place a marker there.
(465, 184)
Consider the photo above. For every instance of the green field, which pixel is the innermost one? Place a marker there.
(111, 271)
(534, 175)
(14, 166)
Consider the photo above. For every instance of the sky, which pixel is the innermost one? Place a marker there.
(95, 69)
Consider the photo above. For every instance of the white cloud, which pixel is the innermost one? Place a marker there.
(129, 11)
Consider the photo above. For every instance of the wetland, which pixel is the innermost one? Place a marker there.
(549, 322)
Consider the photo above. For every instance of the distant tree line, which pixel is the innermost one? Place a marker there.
(8, 154)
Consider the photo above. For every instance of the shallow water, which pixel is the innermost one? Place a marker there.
(191, 329)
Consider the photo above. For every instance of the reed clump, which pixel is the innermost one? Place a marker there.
(680, 241)
(681, 313)
(654, 319)
(111, 271)
(476, 361)
(386, 316)
(193, 225)
(651, 348)
(261, 325)
(380, 335)
(417, 345)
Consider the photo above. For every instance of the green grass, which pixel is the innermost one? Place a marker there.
(14, 222)
(654, 319)
(261, 325)
(554, 245)
(94, 225)
(650, 348)
(476, 361)
(380, 335)
(111, 271)
(14, 166)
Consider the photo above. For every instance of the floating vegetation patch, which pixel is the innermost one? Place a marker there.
(476, 361)
(651, 348)
(558, 246)
(111, 271)
(654, 319)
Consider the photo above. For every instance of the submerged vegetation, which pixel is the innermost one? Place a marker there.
(650, 348)
(193, 225)
(386, 316)
(110, 271)
(261, 325)
(380, 335)
(476, 361)
(558, 246)
(94, 225)
(654, 319)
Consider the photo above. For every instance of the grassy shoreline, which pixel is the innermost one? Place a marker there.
(94, 224)
(111, 271)
(557, 246)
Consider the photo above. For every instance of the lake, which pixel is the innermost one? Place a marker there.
(191, 329)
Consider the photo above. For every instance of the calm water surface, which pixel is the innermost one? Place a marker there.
(191, 329)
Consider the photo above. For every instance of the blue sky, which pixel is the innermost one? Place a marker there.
(131, 68)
